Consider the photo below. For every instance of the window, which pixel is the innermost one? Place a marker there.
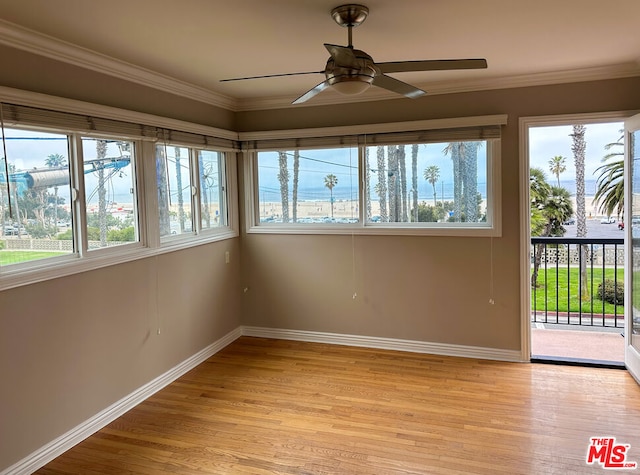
(427, 183)
(40, 218)
(180, 204)
(308, 186)
(174, 190)
(35, 197)
(79, 191)
(212, 189)
(440, 180)
(110, 192)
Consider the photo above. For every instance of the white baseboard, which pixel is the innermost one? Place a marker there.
(53, 449)
(386, 343)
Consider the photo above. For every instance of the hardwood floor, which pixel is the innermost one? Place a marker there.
(271, 406)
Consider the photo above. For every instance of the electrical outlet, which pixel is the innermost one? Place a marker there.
(227, 257)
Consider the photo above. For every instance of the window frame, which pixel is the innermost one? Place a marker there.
(525, 124)
(279, 226)
(197, 231)
(79, 206)
(222, 189)
(491, 228)
(149, 243)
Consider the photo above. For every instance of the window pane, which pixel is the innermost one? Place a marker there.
(109, 183)
(212, 209)
(174, 189)
(308, 186)
(429, 183)
(35, 215)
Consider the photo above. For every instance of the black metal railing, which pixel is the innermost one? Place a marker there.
(577, 281)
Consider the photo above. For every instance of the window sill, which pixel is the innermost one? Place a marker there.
(388, 229)
(48, 269)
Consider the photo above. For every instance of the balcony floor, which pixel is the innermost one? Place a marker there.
(564, 343)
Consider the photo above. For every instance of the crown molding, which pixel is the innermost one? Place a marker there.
(34, 42)
(384, 128)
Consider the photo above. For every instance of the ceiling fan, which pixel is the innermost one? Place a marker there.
(351, 71)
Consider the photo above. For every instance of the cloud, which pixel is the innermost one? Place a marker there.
(547, 142)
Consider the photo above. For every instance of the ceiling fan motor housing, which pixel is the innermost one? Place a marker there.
(362, 70)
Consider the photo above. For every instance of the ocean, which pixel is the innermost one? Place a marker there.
(570, 185)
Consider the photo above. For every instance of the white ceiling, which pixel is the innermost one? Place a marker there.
(193, 44)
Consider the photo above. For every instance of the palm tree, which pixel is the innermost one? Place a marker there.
(578, 148)
(550, 207)
(456, 151)
(394, 184)
(470, 180)
(402, 169)
(296, 173)
(181, 214)
(432, 175)
(610, 183)
(283, 177)
(330, 181)
(55, 160)
(414, 180)
(367, 185)
(208, 179)
(557, 166)
(381, 186)
(163, 190)
(610, 188)
(465, 179)
(619, 145)
(539, 191)
(12, 197)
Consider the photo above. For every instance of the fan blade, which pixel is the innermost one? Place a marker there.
(312, 92)
(342, 55)
(431, 65)
(392, 84)
(271, 76)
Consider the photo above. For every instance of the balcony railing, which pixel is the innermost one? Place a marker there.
(577, 281)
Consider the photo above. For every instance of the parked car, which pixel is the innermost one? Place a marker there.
(10, 230)
(570, 221)
(608, 220)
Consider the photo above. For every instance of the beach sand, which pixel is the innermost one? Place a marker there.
(349, 209)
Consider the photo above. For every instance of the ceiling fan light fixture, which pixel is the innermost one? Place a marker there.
(351, 85)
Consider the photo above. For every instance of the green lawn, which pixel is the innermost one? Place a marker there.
(566, 297)
(16, 257)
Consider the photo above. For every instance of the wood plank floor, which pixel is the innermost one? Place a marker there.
(265, 406)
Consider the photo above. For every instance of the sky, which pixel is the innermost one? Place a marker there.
(342, 162)
(547, 142)
(27, 150)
